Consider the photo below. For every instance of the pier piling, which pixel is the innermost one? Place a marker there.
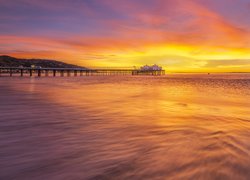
(54, 73)
(39, 72)
(21, 72)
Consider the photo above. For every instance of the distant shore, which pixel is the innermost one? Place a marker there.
(8, 61)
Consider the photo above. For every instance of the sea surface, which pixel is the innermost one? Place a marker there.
(178, 126)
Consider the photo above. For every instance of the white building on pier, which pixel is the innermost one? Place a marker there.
(151, 68)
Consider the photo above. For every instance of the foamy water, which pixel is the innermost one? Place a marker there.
(174, 127)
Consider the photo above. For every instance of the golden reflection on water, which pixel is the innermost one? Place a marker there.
(155, 101)
(145, 127)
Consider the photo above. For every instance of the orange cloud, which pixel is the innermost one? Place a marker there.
(217, 29)
(182, 35)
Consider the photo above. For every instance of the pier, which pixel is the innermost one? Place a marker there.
(61, 72)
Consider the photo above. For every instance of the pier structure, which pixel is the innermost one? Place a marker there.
(61, 72)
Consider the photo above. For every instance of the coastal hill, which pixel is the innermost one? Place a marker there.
(8, 61)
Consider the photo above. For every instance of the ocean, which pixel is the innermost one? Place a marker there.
(178, 126)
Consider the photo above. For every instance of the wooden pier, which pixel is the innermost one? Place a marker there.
(61, 72)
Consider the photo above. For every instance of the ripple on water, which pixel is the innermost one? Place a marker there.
(125, 128)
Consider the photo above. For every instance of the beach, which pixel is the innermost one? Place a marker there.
(178, 126)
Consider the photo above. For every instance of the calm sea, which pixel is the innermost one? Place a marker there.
(185, 126)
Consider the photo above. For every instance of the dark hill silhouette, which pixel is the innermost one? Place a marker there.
(8, 61)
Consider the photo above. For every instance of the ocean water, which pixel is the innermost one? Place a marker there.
(179, 126)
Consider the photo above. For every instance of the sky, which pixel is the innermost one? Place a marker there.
(180, 35)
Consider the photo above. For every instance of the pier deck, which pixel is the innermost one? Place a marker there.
(39, 72)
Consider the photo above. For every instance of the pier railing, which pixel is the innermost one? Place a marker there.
(28, 71)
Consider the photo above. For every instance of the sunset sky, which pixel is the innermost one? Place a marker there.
(181, 35)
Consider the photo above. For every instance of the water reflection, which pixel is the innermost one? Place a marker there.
(175, 127)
